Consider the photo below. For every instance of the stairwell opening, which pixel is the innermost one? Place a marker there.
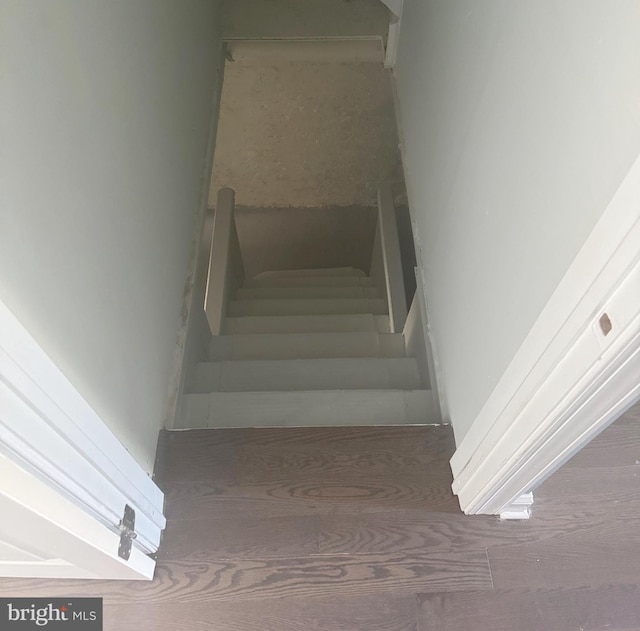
(310, 331)
(306, 133)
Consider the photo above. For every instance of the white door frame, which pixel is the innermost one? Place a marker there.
(51, 432)
(570, 378)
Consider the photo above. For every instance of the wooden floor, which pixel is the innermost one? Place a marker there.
(356, 529)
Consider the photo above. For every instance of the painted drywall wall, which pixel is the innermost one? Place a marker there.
(305, 238)
(519, 121)
(106, 109)
(257, 19)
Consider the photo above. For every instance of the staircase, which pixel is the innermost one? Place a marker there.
(307, 348)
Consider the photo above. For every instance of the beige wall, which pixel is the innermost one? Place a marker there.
(520, 120)
(106, 108)
(308, 18)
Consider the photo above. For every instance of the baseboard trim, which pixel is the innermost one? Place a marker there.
(519, 508)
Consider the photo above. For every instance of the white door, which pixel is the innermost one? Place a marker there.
(74, 503)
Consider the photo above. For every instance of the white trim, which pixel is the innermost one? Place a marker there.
(395, 6)
(519, 508)
(48, 427)
(217, 289)
(71, 543)
(393, 37)
(390, 245)
(568, 380)
(393, 42)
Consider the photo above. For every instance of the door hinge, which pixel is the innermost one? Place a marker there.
(127, 532)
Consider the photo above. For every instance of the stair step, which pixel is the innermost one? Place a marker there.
(329, 271)
(307, 306)
(306, 374)
(309, 409)
(307, 323)
(306, 345)
(310, 281)
(285, 293)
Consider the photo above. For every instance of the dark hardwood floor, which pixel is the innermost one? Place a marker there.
(356, 529)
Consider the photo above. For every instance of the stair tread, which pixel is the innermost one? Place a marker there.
(306, 323)
(295, 293)
(310, 281)
(307, 374)
(307, 306)
(307, 348)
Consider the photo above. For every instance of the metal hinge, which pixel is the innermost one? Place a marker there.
(127, 532)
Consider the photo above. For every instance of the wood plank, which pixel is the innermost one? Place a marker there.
(193, 459)
(301, 577)
(412, 531)
(408, 439)
(608, 554)
(200, 455)
(340, 529)
(576, 486)
(248, 537)
(263, 464)
(630, 417)
(611, 607)
(379, 613)
(203, 500)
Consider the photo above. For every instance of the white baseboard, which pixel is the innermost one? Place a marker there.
(519, 508)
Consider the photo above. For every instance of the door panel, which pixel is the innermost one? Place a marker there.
(50, 536)
(65, 479)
